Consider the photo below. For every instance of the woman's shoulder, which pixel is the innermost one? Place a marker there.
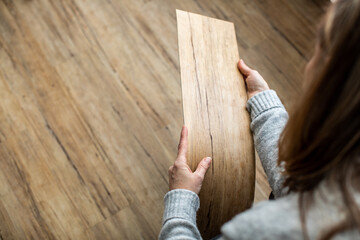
(280, 218)
(277, 219)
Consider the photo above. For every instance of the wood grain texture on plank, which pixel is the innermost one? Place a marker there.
(214, 107)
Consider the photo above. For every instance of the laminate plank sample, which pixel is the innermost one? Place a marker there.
(214, 100)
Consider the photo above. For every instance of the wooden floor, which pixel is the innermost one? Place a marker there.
(90, 109)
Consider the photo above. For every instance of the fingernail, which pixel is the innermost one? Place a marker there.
(208, 159)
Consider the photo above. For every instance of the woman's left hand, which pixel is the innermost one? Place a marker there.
(180, 174)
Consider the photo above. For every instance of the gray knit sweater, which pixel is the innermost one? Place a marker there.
(277, 219)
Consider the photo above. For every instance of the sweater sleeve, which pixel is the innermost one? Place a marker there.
(268, 119)
(179, 220)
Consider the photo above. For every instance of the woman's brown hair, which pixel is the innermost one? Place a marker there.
(321, 140)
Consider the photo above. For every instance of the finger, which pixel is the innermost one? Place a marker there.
(182, 150)
(203, 166)
(244, 69)
(171, 168)
(170, 171)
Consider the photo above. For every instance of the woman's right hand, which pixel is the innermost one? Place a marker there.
(253, 80)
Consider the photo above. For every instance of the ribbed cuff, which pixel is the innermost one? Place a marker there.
(181, 203)
(262, 102)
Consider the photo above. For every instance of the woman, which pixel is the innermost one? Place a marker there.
(312, 163)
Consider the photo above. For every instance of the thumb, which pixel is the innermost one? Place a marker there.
(244, 69)
(203, 166)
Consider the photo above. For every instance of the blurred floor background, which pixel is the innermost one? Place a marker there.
(90, 109)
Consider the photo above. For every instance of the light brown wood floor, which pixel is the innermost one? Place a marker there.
(90, 108)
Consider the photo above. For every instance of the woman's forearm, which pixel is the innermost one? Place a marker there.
(268, 119)
(179, 220)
